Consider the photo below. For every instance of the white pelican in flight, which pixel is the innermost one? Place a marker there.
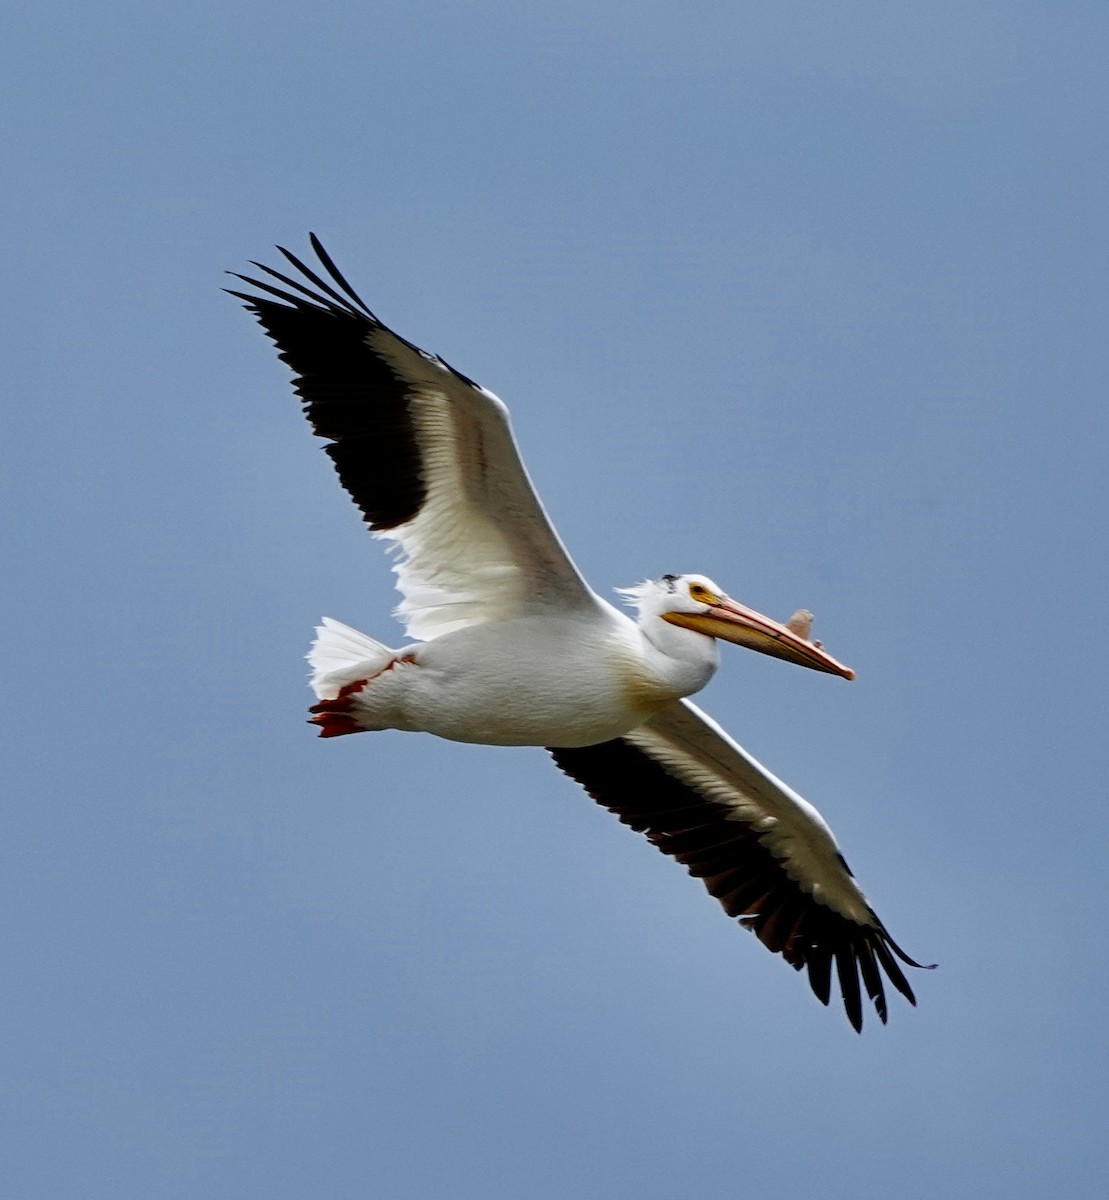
(510, 646)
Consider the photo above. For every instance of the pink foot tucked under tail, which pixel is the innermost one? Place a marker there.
(334, 716)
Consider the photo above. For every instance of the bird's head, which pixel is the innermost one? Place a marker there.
(695, 602)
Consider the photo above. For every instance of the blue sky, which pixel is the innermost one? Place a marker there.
(811, 298)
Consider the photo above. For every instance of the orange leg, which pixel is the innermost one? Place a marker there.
(334, 717)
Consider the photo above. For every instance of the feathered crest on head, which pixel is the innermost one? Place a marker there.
(635, 595)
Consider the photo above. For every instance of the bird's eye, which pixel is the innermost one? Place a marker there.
(698, 591)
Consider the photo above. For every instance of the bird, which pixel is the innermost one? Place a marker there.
(508, 644)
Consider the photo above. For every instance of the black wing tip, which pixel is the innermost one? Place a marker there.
(888, 941)
(815, 936)
(862, 955)
(344, 302)
(248, 301)
(878, 957)
(911, 962)
(349, 299)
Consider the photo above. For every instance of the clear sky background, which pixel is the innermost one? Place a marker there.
(809, 297)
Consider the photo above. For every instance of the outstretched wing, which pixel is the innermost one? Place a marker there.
(762, 851)
(426, 454)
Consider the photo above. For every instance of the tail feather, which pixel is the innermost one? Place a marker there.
(339, 655)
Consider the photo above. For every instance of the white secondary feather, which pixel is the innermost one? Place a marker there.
(481, 547)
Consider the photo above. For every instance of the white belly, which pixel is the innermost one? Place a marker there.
(532, 681)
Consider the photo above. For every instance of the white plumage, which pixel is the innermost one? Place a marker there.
(510, 646)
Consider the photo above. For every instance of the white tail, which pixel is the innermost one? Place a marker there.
(340, 655)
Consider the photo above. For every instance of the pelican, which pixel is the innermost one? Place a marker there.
(508, 645)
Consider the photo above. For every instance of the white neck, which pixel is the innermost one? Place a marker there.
(683, 659)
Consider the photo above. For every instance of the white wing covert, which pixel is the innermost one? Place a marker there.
(761, 850)
(426, 454)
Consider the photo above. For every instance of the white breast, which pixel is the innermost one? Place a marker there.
(531, 681)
